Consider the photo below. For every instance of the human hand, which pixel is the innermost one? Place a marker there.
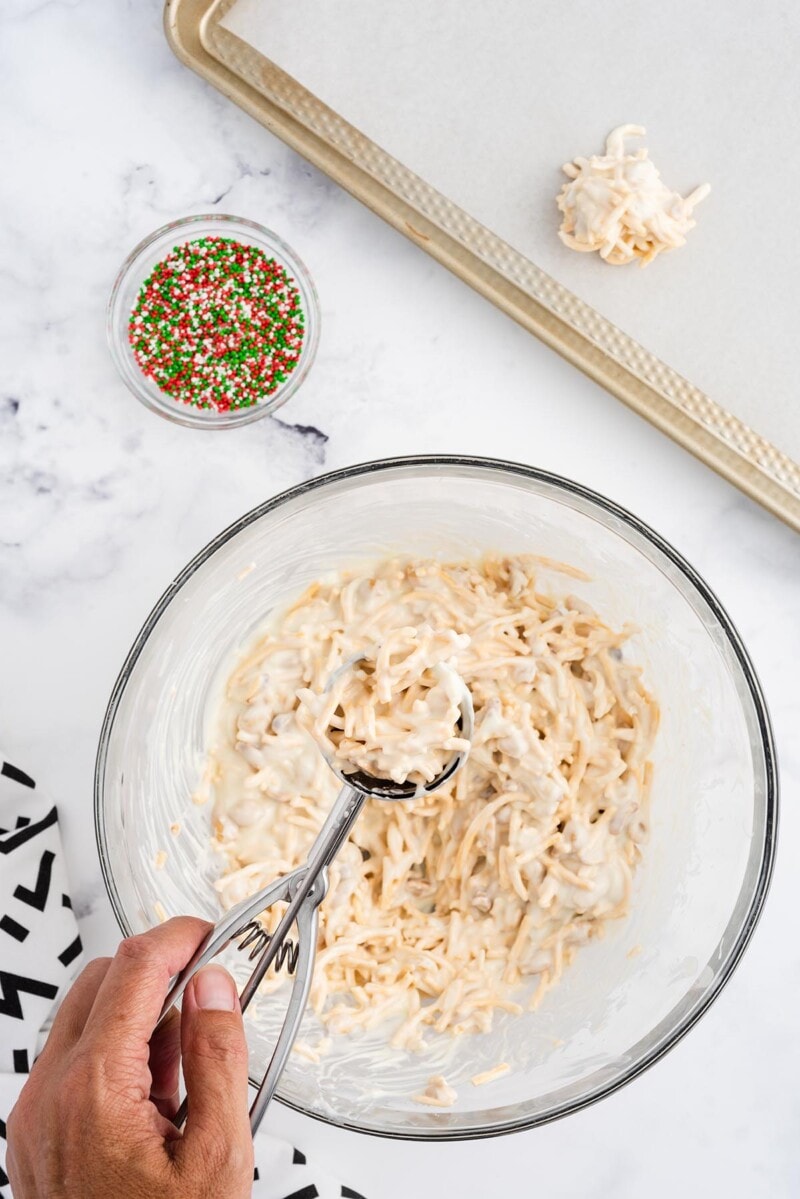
(93, 1119)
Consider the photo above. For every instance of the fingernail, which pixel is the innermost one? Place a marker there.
(214, 990)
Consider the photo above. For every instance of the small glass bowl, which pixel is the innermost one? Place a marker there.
(136, 268)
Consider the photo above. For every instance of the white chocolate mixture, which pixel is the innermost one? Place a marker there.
(395, 713)
(440, 908)
(617, 204)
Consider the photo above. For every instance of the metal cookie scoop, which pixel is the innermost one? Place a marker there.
(303, 889)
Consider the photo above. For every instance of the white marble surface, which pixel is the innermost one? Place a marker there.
(101, 503)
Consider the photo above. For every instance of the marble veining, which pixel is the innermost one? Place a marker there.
(102, 503)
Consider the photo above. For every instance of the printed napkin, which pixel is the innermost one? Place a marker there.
(40, 951)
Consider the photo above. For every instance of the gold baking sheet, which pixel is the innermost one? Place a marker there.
(490, 265)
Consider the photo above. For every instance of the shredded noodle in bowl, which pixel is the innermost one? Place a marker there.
(441, 909)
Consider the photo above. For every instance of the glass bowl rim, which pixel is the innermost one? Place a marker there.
(766, 744)
(184, 414)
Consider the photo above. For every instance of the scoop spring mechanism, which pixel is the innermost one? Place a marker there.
(255, 938)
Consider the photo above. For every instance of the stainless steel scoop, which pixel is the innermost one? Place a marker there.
(303, 889)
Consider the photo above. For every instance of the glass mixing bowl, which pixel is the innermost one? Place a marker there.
(627, 998)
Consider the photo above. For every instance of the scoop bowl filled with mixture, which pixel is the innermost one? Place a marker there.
(540, 929)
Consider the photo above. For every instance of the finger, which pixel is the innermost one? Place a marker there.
(133, 991)
(165, 1060)
(215, 1069)
(74, 1011)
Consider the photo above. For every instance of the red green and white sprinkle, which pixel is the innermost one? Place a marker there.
(217, 324)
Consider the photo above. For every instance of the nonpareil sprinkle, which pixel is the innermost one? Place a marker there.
(217, 324)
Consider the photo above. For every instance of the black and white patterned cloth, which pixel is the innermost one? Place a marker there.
(40, 953)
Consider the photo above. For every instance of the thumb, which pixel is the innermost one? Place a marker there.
(214, 1053)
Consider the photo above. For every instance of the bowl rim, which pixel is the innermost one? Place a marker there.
(181, 229)
(766, 738)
